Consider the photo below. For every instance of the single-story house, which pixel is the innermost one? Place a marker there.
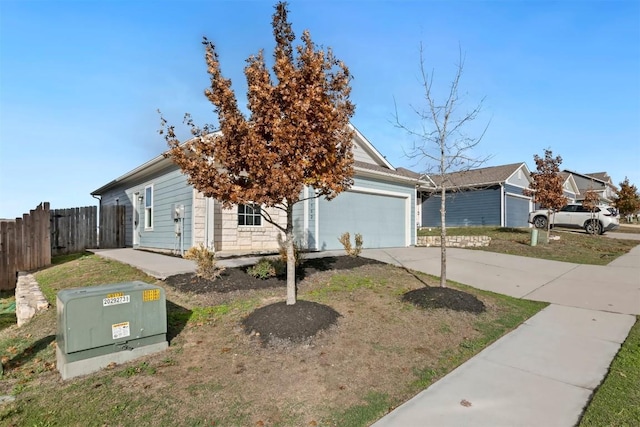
(569, 187)
(165, 213)
(478, 197)
(600, 182)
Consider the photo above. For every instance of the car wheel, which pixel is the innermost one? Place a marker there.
(593, 227)
(540, 222)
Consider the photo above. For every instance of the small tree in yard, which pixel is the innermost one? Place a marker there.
(591, 201)
(441, 141)
(627, 201)
(546, 188)
(297, 134)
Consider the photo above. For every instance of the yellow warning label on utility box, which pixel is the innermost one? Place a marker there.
(150, 295)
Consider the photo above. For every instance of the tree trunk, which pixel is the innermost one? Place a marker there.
(291, 261)
(550, 214)
(443, 238)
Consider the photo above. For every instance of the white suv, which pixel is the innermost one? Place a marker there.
(604, 218)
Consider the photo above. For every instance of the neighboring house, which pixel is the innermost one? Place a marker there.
(599, 182)
(487, 196)
(165, 213)
(569, 187)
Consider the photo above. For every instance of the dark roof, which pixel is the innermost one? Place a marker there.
(477, 177)
(602, 176)
(399, 172)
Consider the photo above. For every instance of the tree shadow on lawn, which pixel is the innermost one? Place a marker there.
(177, 318)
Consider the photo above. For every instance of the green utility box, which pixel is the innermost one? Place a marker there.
(106, 324)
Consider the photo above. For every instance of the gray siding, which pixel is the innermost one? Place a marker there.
(168, 189)
(361, 154)
(519, 178)
(513, 189)
(465, 208)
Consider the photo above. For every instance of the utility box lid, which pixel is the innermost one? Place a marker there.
(110, 314)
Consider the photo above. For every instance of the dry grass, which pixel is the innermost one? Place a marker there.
(382, 352)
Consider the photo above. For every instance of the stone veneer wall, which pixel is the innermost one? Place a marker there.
(228, 236)
(455, 241)
(29, 298)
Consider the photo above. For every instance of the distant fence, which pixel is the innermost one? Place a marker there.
(28, 243)
(74, 230)
(112, 226)
(25, 244)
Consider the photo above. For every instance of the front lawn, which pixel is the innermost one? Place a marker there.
(382, 351)
(572, 246)
(617, 401)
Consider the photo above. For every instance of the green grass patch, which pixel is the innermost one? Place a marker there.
(376, 405)
(617, 401)
(81, 270)
(341, 282)
(573, 246)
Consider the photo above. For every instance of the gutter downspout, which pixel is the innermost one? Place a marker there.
(99, 199)
(502, 202)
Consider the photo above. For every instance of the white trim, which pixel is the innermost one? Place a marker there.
(151, 208)
(503, 219)
(317, 223)
(407, 206)
(520, 196)
(305, 217)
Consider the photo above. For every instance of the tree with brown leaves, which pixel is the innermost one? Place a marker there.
(627, 199)
(297, 135)
(546, 187)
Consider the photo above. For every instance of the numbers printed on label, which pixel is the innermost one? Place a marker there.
(124, 299)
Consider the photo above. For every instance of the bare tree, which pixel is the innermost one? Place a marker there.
(590, 202)
(546, 188)
(298, 133)
(441, 145)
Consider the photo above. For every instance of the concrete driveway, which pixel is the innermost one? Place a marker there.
(613, 288)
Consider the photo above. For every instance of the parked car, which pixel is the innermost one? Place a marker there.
(603, 218)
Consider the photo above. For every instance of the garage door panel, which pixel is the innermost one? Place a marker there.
(517, 211)
(380, 219)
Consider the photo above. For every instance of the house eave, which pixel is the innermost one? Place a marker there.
(156, 164)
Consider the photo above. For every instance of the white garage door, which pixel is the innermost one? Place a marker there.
(381, 219)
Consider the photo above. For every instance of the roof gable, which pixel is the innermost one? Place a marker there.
(478, 177)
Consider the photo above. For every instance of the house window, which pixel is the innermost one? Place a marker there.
(249, 214)
(148, 207)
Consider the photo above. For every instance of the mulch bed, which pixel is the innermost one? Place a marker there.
(237, 279)
(295, 323)
(439, 297)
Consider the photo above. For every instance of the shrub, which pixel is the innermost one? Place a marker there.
(345, 239)
(262, 270)
(206, 262)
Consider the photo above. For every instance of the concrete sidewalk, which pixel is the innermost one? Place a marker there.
(544, 372)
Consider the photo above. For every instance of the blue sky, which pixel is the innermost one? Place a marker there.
(80, 81)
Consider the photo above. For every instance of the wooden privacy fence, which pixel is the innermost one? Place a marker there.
(112, 226)
(28, 243)
(74, 230)
(25, 244)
